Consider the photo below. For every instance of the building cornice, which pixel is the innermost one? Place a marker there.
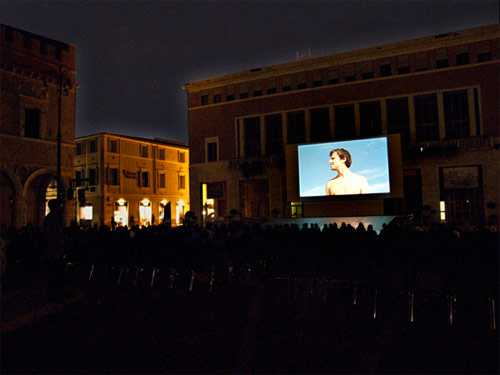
(372, 53)
(156, 141)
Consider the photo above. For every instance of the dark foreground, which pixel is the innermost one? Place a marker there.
(266, 326)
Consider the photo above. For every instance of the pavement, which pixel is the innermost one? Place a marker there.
(26, 305)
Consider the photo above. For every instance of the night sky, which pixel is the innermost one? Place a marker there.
(134, 56)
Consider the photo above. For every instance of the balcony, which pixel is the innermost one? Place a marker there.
(449, 147)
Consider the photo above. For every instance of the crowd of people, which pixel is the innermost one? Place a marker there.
(441, 259)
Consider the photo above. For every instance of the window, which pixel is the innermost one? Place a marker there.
(79, 148)
(350, 78)
(297, 209)
(252, 136)
(286, 88)
(161, 180)
(144, 151)
(113, 146)
(113, 176)
(272, 90)
(462, 58)
(79, 177)
(182, 182)
(230, 98)
(426, 118)
(211, 149)
(243, 95)
(370, 119)
(320, 124)
(301, 86)
(274, 135)
(144, 179)
(421, 61)
(93, 177)
(257, 93)
(217, 98)
(296, 127)
(398, 119)
(92, 146)
(333, 76)
(204, 100)
(442, 63)
(345, 126)
(317, 83)
(456, 114)
(161, 154)
(483, 57)
(403, 70)
(181, 156)
(385, 70)
(367, 75)
(32, 123)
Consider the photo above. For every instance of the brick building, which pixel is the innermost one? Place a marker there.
(435, 98)
(130, 180)
(35, 72)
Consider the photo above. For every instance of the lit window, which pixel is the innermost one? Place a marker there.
(297, 209)
(86, 212)
(161, 153)
(442, 211)
(181, 157)
(182, 182)
(161, 180)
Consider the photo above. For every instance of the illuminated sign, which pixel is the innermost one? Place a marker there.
(128, 174)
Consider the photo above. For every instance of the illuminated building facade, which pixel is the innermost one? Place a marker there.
(125, 181)
(435, 98)
(37, 74)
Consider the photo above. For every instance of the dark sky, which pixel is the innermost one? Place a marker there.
(134, 56)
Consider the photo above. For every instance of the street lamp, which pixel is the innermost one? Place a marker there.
(67, 86)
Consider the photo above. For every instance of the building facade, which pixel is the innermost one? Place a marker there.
(37, 74)
(436, 98)
(125, 181)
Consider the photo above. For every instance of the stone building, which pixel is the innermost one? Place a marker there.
(435, 98)
(125, 181)
(37, 74)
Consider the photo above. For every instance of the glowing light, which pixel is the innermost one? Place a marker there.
(121, 202)
(164, 202)
(145, 202)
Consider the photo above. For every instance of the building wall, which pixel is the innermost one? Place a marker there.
(120, 174)
(32, 70)
(463, 63)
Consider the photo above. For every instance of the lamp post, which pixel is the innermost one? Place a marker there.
(58, 172)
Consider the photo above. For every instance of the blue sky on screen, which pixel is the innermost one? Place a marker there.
(369, 159)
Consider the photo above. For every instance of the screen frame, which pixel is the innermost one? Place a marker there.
(347, 197)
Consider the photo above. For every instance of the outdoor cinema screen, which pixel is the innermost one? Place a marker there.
(344, 168)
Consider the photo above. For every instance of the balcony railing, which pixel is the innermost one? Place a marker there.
(462, 144)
